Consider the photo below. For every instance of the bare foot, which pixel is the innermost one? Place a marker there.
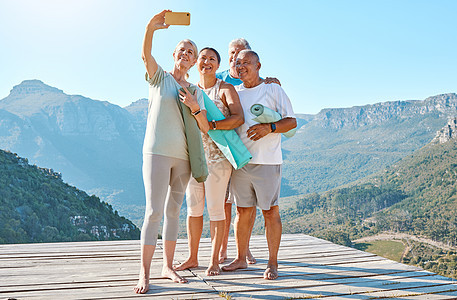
(250, 259)
(236, 264)
(222, 255)
(213, 270)
(271, 272)
(171, 274)
(189, 263)
(143, 285)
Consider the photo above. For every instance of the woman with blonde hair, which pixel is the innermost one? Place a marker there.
(167, 161)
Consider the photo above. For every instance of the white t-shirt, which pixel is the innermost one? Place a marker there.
(267, 150)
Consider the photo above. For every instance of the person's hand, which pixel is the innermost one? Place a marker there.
(269, 80)
(158, 21)
(258, 131)
(189, 100)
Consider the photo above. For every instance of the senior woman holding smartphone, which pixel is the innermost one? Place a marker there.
(166, 161)
(214, 188)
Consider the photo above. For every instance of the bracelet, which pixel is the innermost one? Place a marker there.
(214, 124)
(196, 113)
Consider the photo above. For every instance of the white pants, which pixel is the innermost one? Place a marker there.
(214, 188)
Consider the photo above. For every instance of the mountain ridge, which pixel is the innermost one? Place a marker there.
(85, 139)
(442, 103)
(97, 145)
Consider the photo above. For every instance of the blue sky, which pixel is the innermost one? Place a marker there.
(326, 53)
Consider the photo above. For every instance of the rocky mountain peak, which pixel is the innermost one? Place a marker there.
(447, 133)
(32, 87)
(139, 109)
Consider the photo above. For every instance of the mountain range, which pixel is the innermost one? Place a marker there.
(96, 145)
(338, 146)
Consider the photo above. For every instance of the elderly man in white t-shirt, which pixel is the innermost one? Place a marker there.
(258, 183)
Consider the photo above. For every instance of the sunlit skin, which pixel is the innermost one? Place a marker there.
(184, 58)
(207, 65)
(233, 53)
(248, 67)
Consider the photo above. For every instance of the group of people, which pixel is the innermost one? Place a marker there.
(169, 165)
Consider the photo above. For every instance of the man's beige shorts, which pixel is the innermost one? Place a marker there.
(256, 185)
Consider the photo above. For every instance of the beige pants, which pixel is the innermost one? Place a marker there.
(214, 188)
(165, 180)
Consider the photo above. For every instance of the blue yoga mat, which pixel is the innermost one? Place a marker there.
(227, 141)
(267, 115)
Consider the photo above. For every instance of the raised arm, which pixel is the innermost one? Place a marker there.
(230, 98)
(157, 22)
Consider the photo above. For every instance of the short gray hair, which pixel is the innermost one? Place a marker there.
(240, 41)
(250, 53)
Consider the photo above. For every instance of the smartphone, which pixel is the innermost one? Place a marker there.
(177, 18)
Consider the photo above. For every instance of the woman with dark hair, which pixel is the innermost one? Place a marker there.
(167, 161)
(214, 188)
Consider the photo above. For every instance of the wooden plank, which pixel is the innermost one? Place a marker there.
(117, 292)
(66, 269)
(109, 270)
(335, 291)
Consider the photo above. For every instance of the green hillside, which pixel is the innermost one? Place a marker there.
(429, 178)
(37, 206)
(416, 196)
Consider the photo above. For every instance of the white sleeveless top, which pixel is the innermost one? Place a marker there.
(212, 153)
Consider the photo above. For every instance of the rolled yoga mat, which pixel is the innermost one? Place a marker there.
(227, 141)
(197, 158)
(267, 115)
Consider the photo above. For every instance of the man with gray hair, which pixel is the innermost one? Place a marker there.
(230, 75)
(258, 183)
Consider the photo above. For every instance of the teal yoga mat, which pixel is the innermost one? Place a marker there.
(267, 115)
(227, 141)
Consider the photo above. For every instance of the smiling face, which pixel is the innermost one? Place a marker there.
(233, 53)
(247, 66)
(207, 62)
(185, 55)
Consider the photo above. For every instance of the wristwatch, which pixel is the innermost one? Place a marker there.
(196, 112)
(273, 127)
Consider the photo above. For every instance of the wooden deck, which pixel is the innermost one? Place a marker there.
(309, 268)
